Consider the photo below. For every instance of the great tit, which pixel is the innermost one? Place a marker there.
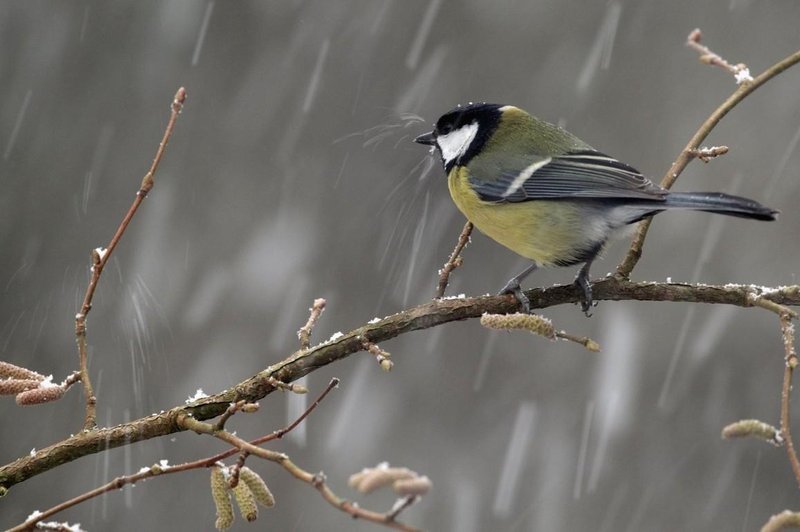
(547, 195)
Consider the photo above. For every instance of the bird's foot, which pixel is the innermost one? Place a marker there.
(512, 287)
(583, 283)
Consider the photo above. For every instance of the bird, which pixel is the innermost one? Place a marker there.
(547, 195)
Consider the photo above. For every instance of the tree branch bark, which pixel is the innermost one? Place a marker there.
(424, 316)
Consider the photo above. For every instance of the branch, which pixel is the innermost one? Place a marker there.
(752, 427)
(454, 261)
(740, 72)
(745, 89)
(100, 258)
(782, 521)
(187, 422)
(787, 328)
(304, 334)
(425, 316)
(784, 437)
(278, 434)
(164, 469)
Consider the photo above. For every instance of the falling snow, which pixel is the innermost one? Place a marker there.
(292, 175)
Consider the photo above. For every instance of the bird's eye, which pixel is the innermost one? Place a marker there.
(445, 129)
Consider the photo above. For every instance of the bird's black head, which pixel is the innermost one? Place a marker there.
(461, 133)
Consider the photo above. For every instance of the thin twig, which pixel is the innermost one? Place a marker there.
(635, 251)
(304, 334)
(315, 480)
(785, 315)
(117, 483)
(585, 341)
(740, 72)
(758, 300)
(287, 387)
(278, 434)
(401, 505)
(100, 258)
(382, 356)
(454, 261)
(236, 469)
(782, 521)
(155, 470)
(787, 329)
(229, 413)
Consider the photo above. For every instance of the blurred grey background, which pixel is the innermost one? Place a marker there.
(292, 175)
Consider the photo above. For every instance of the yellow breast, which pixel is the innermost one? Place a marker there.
(543, 231)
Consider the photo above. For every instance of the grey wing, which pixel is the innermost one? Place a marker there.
(585, 174)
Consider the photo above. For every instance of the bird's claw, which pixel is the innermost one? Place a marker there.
(582, 282)
(513, 287)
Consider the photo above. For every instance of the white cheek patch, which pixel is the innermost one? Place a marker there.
(456, 143)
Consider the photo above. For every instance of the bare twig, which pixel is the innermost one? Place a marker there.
(585, 341)
(785, 315)
(635, 251)
(100, 258)
(454, 261)
(787, 329)
(316, 480)
(230, 412)
(287, 387)
(401, 505)
(740, 72)
(758, 300)
(278, 434)
(381, 356)
(160, 469)
(304, 334)
(117, 483)
(782, 521)
(236, 468)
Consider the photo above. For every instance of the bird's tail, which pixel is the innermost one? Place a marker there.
(720, 203)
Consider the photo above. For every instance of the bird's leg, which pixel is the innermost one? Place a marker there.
(582, 282)
(512, 287)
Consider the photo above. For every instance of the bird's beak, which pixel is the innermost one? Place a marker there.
(429, 139)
